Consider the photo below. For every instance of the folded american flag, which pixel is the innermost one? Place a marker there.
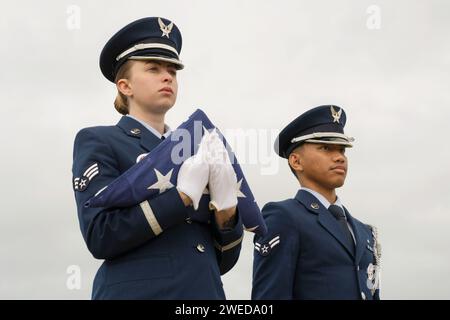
(158, 171)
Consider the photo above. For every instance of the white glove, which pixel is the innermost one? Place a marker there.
(222, 178)
(194, 174)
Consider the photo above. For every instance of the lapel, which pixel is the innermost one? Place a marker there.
(134, 129)
(324, 217)
(360, 241)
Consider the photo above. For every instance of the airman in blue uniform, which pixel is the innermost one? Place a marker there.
(314, 248)
(152, 250)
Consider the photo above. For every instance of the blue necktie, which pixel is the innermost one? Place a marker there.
(339, 214)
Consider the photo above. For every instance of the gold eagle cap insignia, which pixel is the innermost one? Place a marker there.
(336, 114)
(166, 30)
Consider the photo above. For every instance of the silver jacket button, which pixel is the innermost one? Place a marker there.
(201, 248)
(363, 296)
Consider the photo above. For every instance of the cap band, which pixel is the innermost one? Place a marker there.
(322, 135)
(142, 46)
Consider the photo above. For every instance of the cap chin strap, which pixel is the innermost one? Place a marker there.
(142, 46)
(315, 137)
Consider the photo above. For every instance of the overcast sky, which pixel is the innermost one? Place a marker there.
(250, 65)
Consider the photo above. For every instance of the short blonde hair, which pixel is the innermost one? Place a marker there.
(121, 101)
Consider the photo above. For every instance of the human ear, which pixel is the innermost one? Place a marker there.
(295, 162)
(123, 85)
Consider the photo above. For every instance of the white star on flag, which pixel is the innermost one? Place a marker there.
(238, 190)
(163, 182)
(207, 133)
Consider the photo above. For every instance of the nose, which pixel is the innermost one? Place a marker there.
(339, 157)
(167, 76)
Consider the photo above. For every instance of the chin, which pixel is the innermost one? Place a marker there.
(334, 183)
(338, 183)
(162, 108)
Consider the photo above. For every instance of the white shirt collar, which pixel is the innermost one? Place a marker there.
(323, 200)
(167, 130)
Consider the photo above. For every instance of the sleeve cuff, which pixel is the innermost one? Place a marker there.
(163, 211)
(229, 238)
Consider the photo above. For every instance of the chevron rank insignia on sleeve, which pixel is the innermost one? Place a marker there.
(265, 248)
(81, 183)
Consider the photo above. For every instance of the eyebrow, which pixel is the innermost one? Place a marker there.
(152, 62)
(331, 146)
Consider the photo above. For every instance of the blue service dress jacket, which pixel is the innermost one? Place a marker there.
(305, 256)
(155, 249)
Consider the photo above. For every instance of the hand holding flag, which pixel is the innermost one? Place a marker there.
(160, 170)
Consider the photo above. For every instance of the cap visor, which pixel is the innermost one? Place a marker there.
(343, 143)
(176, 62)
